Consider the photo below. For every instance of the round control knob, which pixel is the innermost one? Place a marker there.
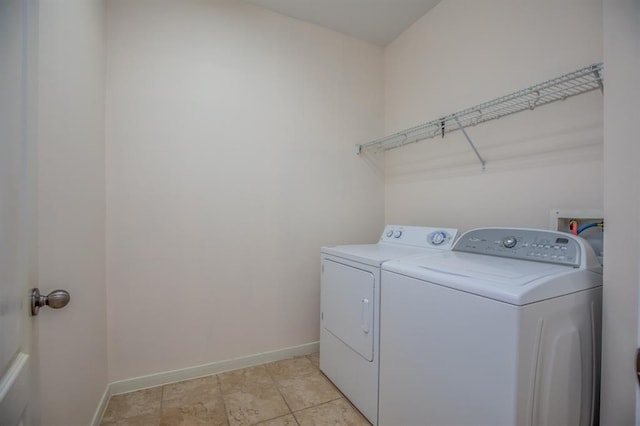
(509, 242)
(438, 238)
(397, 234)
(390, 233)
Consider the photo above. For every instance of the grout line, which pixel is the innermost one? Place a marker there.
(162, 401)
(275, 382)
(323, 403)
(317, 368)
(224, 404)
(278, 417)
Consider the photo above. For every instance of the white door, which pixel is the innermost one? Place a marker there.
(347, 305)
(17, 205)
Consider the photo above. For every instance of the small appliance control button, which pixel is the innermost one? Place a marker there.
(509, 242)
(397, 234)
(390, 233)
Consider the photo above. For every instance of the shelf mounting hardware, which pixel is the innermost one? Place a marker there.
(597, 72)
(464, 132)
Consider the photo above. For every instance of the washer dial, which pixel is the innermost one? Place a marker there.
(438, 238)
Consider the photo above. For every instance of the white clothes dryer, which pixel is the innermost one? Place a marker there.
(504, 329)
(350, 303)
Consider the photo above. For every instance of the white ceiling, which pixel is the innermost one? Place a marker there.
(376, 21)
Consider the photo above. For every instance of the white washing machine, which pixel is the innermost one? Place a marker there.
(504, 329)
(350, 303)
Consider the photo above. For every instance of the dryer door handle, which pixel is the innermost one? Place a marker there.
(364, 315)
(638, 364)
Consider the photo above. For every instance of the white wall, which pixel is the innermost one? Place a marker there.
(230, 161)
(465, 52)
(622, 212)
(71, 216)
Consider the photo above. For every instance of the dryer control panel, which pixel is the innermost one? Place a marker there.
(419, 236)
(525, 244)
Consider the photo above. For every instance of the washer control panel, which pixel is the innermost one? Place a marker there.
(525, 244)
(419, 236)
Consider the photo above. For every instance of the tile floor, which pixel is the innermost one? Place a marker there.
(283, 393)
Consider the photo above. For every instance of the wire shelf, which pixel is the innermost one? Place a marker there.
(575, 83)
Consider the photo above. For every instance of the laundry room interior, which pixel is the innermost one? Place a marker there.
(194, 156)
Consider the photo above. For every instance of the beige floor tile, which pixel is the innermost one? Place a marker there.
(338, 412)
(287, 420)
(236, 380)
(262, 395)
(291, 368)
(307, 391)
(134, 404)
(315, 359)
(189, 416)
(193, 402)
(134, 421)
(253, 404)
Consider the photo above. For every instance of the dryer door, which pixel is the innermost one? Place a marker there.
(347, 305)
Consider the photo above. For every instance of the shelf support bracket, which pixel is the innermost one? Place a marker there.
(599, 78)
(464, 132)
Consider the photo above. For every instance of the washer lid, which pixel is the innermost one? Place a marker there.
(514, 281)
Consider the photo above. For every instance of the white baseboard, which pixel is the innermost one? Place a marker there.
(163, 378)
(102, 405)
